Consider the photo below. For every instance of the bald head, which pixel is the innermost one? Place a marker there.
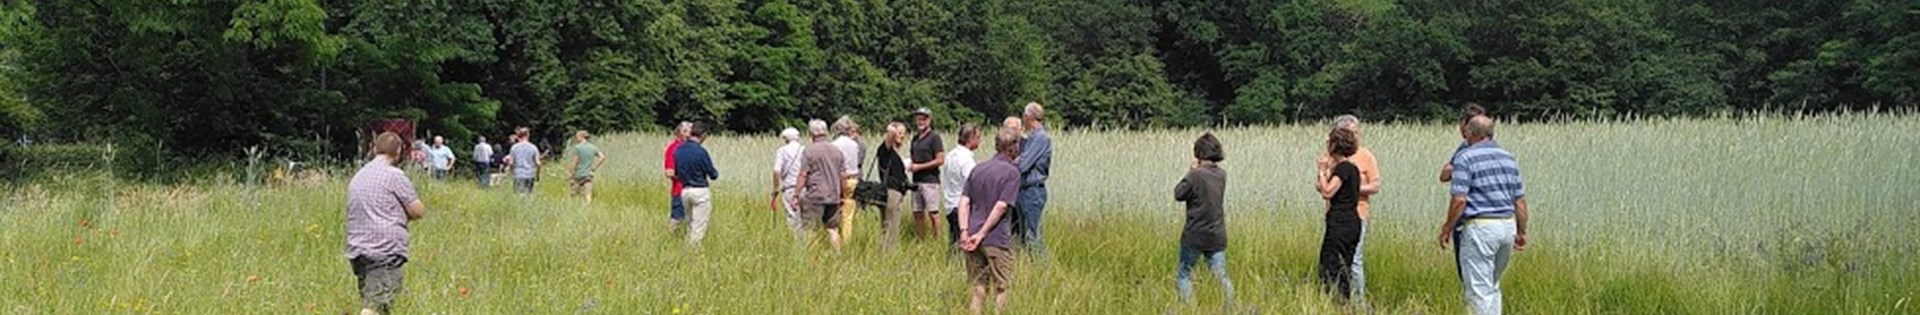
(1477, 128)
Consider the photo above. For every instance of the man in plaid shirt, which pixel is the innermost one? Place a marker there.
(381, 203)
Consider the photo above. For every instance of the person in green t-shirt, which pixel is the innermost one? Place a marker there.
(587, 159)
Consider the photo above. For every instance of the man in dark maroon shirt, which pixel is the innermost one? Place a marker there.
(987, 234)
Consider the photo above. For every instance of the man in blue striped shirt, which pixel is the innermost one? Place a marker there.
(1487, 217)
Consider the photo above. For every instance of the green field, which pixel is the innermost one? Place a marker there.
(1732, 216)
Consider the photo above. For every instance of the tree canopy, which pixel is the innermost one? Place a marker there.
(191, 77)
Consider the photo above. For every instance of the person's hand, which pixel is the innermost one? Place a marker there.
(1520, 241)
(1325, 163)
(1446, 237)
(1446, 172)
(972, 242)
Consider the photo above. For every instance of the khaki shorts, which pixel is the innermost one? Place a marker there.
(927, 198)
(582, 185)
(991, 267)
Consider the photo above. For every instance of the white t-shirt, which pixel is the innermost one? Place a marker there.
(953, 175)
(786, 162)
(853, 151)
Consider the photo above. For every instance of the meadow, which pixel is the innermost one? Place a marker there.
(1761, 215)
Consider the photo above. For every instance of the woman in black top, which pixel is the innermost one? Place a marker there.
(893, 176)
(1340, 186)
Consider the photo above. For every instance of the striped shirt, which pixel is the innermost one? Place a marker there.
(1490, 179)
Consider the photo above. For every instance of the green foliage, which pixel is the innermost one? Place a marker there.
(207, 77)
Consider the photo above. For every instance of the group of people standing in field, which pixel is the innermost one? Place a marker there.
(991, 207)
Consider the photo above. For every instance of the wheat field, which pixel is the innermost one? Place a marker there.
(1763, 215)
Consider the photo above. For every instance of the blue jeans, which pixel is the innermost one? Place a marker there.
(1359, 266)
(1216, 260)
(1483, 248)
(440, 174)
(483, 174)
(1032, 206)
(679, 211)
(523, 186)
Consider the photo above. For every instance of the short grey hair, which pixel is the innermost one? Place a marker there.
(817, 127)
(1034, 112)
(1346, 122)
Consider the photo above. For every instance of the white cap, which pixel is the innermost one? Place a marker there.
(790, 134)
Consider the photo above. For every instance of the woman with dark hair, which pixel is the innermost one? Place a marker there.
(1204, 191)
(1340, 186)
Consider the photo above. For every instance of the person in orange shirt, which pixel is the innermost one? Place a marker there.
(1370, 185)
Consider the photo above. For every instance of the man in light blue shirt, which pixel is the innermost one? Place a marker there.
(440, 159)
(1487, 216)
(524, 158)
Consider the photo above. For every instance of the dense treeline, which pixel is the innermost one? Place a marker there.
(208, 76)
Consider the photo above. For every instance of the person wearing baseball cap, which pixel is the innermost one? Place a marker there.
(927, 157)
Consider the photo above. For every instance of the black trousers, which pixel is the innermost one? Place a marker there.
(953, 227)
(1336, 254)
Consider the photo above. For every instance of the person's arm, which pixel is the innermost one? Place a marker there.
(1446, 172)
(416, 210)
(1369, 187)
(1328, 187)
(1455, 207)
(1520, 221)
(713, 173)
(1370, 183)
(573, 159)
(669, 162)
(1030, 159)
(1184, 190)
(999, 210)
(938, 160)
(599, 158)
(1462, 180)
(799, 181)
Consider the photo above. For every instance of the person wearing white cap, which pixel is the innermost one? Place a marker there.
(786, 171)
(927, 160)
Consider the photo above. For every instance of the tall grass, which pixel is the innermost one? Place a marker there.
(1758, 215)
